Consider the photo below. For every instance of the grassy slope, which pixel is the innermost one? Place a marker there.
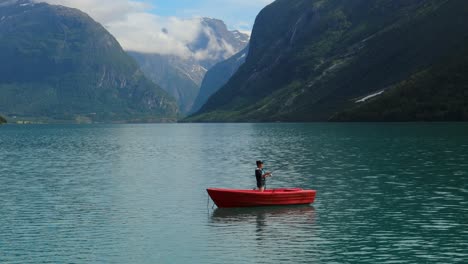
(310, 58)
(439, 93)
(63, 65)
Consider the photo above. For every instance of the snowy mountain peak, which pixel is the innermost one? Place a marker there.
(182, 76)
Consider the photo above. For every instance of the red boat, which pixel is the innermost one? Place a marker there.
(245, 198)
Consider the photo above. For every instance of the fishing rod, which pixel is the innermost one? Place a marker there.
(277, 169)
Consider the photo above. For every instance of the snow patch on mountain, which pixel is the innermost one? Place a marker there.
(362, 100)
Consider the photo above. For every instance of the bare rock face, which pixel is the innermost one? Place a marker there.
(182, 77)
(217, 77)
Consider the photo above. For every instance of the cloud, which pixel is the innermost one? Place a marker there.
(238, 14)
(137, 29)
(104, 11)
(148, 33)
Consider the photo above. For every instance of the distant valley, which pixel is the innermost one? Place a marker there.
(182, 77)
(217, 77)
(64, 67)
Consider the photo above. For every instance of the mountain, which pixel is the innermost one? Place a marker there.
(179, 77)
(59, 64)
(229, 42)
(218, 76)
(182, 76)
(438, 93)
(311, 60)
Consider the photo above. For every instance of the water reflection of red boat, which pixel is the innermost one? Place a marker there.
(259, 223)
(246, 198)
(239, 214)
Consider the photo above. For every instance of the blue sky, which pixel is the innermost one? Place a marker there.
(238, 14)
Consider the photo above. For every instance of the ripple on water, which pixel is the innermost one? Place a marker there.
(387, 193)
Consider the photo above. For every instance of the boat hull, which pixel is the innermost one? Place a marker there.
(224, 198)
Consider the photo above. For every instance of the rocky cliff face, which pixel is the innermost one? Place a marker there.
(310, 60)
(182, 77)
(60, 64)
(218, 76)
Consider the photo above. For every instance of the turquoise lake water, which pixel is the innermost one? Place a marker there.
(386, 193)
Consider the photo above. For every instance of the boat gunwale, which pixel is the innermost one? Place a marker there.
(277, 191)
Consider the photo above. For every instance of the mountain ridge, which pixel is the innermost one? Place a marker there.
(65, 66)
(308, 60)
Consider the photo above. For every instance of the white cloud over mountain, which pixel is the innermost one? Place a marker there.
(137, 29)
(234, 12)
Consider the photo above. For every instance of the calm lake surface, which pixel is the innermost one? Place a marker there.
(386, 193)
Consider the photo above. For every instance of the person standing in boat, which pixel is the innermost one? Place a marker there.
(261, 175)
